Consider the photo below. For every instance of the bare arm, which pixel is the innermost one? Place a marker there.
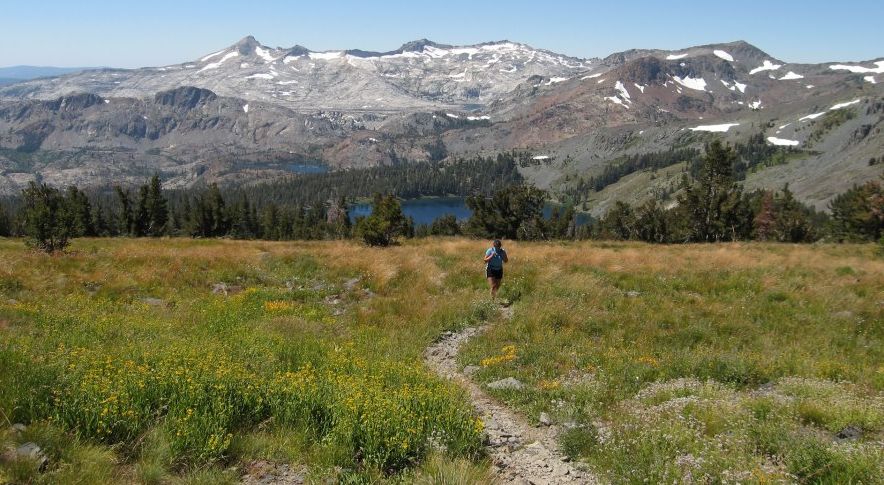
(488, 257)
(505, 258)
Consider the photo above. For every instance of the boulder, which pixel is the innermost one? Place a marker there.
(507, 383)
(470, 370)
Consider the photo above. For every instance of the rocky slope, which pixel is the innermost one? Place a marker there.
(419, 75)
(248, 111)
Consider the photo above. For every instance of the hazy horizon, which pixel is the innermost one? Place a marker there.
(63, 34)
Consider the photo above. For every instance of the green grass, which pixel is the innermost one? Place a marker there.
(737, 362)
(123, 345)
(721, 348)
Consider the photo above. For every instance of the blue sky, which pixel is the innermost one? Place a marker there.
(158, 32)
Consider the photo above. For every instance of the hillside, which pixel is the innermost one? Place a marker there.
(218, 361)
(271, 107)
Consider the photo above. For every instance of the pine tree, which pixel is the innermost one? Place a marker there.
(220, 224)
(714, 205)
(619, 223)
(81, 212)
(100, 223)
(48, 222)
(652, 223)
(512, 213)
(858, 214)
(765, 217)
(5, 222)
(385, 224)
(793, 222)
(141, 217)
(157, 209)
(338, 219)
(445, 226)
(125, 218)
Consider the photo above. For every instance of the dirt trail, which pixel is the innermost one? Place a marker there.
(520, 452)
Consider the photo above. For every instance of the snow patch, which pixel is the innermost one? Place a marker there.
(755, 104)
(600, 81)
(591, 76)
(741, 87)
(260, 76)
(870, 79)
(245, 108)
(787, 124)
(216, 54)
(450, 115)
(623, 92)
(216, 65)
(723, 128)
(617, 100)
(554, 80)
(791, 75)
(285, 83)
(860, 69)
(478, 118)
(766, 66)
(675, 57)
(698, 84)
(540, 157)
(640, 87)
(264, 54)
(811, 117)
(844, 105)
(724, 55)
(782, 142)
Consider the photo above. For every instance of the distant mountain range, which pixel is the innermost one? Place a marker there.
(242, 113)
(15, 74)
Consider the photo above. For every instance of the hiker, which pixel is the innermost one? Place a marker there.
(495, 256)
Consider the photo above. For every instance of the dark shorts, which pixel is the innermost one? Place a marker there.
(494, 273)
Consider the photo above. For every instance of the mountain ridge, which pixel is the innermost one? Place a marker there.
(361, 108)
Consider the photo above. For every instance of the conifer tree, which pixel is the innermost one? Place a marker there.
(48, 223)
(156, 208)
(125, 218)
(714, 205)
(858, 214)
(385, 224)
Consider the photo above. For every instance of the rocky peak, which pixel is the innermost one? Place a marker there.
(187, 97)
(246, 45)
(419, 45)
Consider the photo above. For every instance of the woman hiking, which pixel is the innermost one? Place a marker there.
(495, 256)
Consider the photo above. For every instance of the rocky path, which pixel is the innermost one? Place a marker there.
(520, 452)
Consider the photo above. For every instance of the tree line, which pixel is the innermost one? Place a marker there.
(716, 208)
(712, 208)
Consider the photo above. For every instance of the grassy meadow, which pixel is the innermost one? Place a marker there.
(708, 363)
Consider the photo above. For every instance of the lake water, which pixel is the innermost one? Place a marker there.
(306, 168)
(425, 211)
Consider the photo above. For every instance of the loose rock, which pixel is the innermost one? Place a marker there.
(157, 302)
(470, 370)
(850, 433)
(506, 383)
(30, 451)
